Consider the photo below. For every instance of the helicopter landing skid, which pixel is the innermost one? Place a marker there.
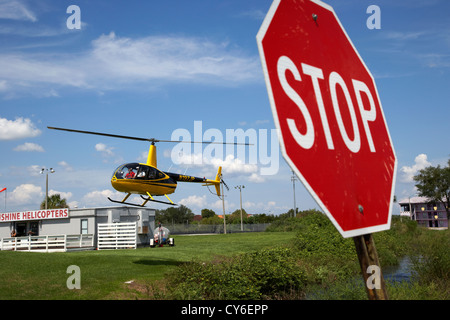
(128, 203)
(148, 199)
(140, 205)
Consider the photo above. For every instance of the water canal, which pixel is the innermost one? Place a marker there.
(401, 272)
(353, 288)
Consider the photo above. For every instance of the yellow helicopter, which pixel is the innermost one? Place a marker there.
(146, 179)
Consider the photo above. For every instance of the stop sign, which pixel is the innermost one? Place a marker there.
(326, 108)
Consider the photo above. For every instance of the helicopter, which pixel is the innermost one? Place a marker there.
(146, 179)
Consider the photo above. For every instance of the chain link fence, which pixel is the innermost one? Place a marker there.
(215, 228)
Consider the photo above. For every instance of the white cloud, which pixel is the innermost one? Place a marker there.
(3, 85)
(64, 195)
(73, 204)
(420, 162)
(65, 166)
(254, 14)
(261, 206)
(26, 194)
(42, 73)
(233, 165)
(194, 201)
(398, 36)
(230, 164)
(218, 206)
(19, 128)
(170, 58)
(29, 147)
(104, 149)
(16, 10)
(114, 62)
(33, 170)
(99, 198)
(107, 153)
(256, 178)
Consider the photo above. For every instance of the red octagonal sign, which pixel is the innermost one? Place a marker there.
(328, 114)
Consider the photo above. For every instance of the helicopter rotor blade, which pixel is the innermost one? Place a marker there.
(104, 134)
(152, 140)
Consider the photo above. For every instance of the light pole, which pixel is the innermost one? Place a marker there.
(46, 184)
(293, 177)
(223, 207)
(240, 187)
(222, 183)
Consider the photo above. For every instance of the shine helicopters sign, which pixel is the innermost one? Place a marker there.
(326, 107)
(34, 215)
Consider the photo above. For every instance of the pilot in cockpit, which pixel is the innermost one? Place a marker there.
(130, 174)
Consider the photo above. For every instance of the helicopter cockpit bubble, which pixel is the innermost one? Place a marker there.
(127, 171)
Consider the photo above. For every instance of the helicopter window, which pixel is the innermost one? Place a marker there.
(128, 171)
(152, 173)
(118, 173)
(143, 173)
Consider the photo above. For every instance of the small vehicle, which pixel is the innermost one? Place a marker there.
(161, 237)
(146, 179)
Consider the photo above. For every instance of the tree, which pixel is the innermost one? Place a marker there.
(54, 202)
(235, 217)
(207, 213)
(181, 214)
(434, 183)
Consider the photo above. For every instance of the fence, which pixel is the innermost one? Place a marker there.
(48, 243)
(215, 228)
(121, 235)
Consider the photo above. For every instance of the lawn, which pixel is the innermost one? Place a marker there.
(30, 275)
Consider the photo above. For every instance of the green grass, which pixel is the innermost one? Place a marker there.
(312, 262)
(31, 275)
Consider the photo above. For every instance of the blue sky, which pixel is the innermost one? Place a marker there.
(152, 68)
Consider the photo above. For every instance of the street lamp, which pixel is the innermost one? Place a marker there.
(46, 183)
(293, 178)
(240, 187)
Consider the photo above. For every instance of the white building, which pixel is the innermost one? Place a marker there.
(76, 222)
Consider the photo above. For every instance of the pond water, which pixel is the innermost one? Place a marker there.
(392, 274)
(400, 272)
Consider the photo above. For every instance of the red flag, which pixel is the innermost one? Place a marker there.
(2, 190)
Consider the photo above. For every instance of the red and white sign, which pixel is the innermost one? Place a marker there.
(34, 215)
(326, 107)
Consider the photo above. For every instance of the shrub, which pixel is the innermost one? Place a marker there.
(268, 274)
(432, 259)
(320, 238)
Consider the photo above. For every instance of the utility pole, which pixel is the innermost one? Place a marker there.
(222, 184)
(293, 178)
(223, 206)
(240, 187)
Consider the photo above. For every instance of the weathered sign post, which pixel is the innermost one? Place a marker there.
(331, 125)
